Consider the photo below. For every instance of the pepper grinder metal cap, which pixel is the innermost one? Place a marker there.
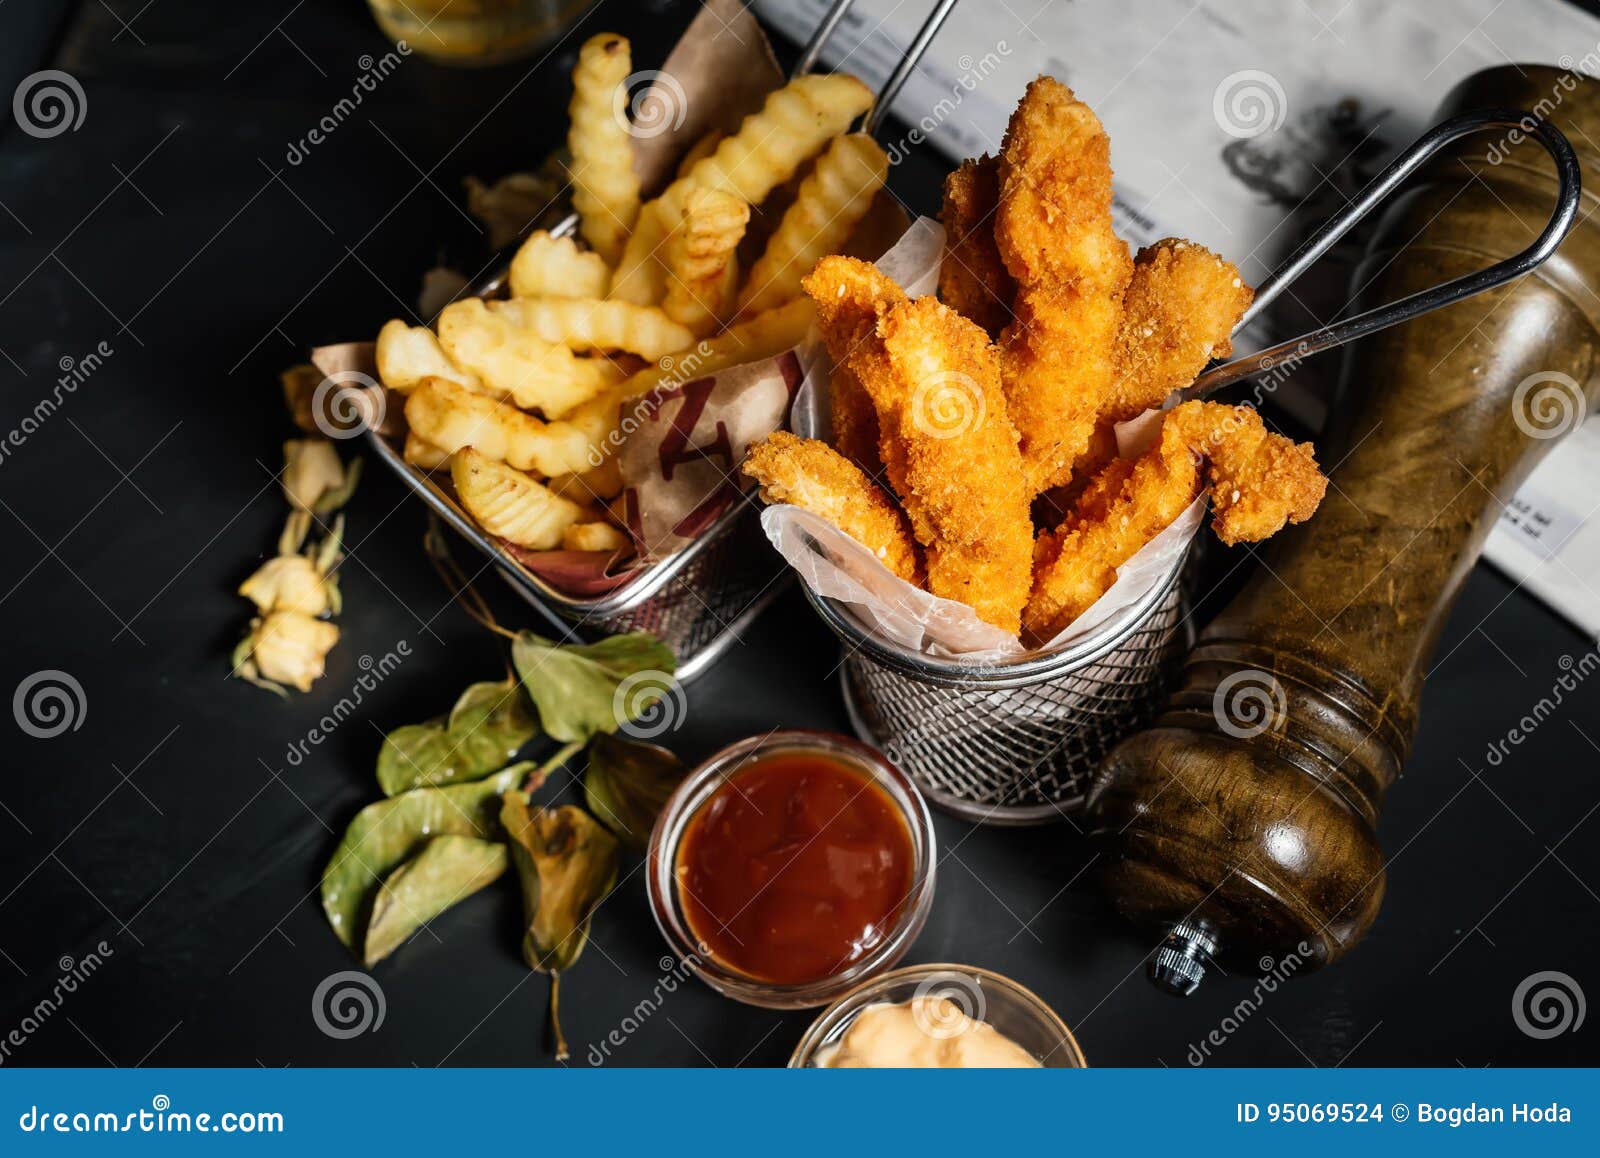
(1179, 963)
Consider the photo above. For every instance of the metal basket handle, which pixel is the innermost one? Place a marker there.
(1562, 219)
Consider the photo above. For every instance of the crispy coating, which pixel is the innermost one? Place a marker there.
(973, 280)
(855, 422)
(964, 489)
(1259, 481)
(816, 478)
(1053, 230)
(849, 294)
(1177, 315)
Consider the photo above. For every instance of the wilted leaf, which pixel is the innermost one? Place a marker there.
(488, 725)
(384, 835)
(575, 686)
(447, 870)
(627, 785)
(567, 863)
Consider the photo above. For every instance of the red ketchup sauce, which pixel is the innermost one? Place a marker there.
(795, 868)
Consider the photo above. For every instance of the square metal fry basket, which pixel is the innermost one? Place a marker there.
(697, 600)
(1014, 742)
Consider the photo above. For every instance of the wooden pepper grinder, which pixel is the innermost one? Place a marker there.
(1242, 822)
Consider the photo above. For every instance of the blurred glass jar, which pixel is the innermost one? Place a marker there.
(474, 32)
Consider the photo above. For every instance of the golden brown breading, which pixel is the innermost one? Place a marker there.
(855, 422)
(1178, 314)
(972, 279)
(816, 478)
(941, 398)
(849, 294)
(1053, 229)
(1258, 480)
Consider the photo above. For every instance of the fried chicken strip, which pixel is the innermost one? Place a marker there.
(1053, 230)
(972, 278)
(1258, 480)
(815, 477)
(1177, 315)
(848, 294)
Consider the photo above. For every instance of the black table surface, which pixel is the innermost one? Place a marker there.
(170, 825)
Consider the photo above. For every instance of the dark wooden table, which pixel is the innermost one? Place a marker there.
(170, 826)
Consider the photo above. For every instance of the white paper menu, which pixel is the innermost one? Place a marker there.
(1224, 118)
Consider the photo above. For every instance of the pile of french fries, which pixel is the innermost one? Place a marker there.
(523, 398)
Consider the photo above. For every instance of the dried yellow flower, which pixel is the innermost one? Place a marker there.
(289, 583)
(314, 477)
(288, 647)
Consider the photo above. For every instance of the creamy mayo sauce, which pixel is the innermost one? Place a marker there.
(928, 1032)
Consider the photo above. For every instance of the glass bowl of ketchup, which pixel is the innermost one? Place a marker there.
(789, 868)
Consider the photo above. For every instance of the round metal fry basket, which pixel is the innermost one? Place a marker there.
(1013, 742)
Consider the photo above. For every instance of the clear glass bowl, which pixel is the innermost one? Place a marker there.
(697, 789)
(1015, 1011)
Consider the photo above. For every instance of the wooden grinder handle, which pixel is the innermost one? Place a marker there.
(1243, 821)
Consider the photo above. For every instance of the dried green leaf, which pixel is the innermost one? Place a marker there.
(386, 834)
(487, 727)
(447, 870)
(567, 863)
(627, 785)
(582, 690)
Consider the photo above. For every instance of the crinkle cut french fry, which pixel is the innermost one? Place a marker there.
(593, 537)
(450, 418)
(791, 127)
(507, 503)
(641, 275)
(703, 273)
(407, 354)
(605, 189)
(514, 362)
(597, 324)
(603, 483)
(554, 267)
(763, 336)
(699, 151)
(831, 201)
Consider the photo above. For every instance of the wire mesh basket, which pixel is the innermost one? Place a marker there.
(1014, 742)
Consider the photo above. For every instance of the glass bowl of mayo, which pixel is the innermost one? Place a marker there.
(938, 1017)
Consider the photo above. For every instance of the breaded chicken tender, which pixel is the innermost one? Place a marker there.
(1259, 481)
(1178, 314)
(1053, 229)
(848, 294)
(966, 497)
(972, 278)
(815, 477)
